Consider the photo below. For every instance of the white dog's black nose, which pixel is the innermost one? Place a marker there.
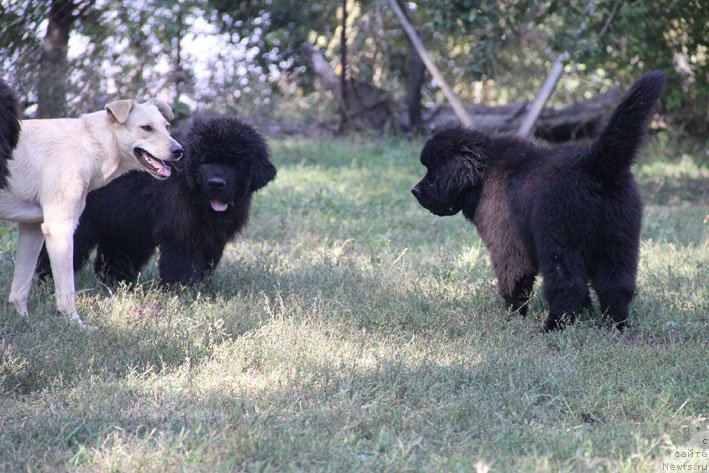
(176, 152)
(216, 183)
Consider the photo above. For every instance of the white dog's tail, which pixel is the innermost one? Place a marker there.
(9, 128)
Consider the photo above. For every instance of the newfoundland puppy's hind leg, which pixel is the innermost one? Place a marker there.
(615, 290)
(114, 266)
(565, 289)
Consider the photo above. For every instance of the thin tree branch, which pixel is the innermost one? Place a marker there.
(460, 111)
(616, 7)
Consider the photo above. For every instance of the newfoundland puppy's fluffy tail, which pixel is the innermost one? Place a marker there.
(615, 147)
(9, 128)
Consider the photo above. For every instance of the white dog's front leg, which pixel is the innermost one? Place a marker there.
(59, 235)
(29, 244)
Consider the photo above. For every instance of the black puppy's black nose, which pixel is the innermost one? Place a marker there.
(416, 192)
(176, 152)
(216, 183)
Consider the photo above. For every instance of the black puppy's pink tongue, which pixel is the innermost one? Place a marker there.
(218, 205)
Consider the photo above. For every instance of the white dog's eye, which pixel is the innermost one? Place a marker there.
(147, 128)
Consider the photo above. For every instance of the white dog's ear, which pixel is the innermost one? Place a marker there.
(163, 108)
(120, 109)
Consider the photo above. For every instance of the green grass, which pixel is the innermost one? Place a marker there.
(350, 330)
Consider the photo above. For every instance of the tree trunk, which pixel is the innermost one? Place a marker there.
(343, 67)
(414, 83)
(53, 63)
(415, 76)
(366, 105)
(315, 60)
(179, 78)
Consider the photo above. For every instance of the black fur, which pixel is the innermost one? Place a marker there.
(9, 128)
(572, 213)
(226, 161)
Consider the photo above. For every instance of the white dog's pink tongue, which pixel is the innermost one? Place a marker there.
(164, 170)
(218, 205)
(160, 167)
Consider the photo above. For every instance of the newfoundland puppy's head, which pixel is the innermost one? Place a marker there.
(227, 161)
(455, 160)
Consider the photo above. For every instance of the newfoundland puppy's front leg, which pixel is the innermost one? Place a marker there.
(181, 263)
(517, 300)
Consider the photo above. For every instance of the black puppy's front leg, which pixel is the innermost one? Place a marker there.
(180, 263)
(518, 299)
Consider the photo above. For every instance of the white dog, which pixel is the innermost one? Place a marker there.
(56, 163)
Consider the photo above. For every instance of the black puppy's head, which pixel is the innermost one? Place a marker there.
(228, 161)
(455, 159)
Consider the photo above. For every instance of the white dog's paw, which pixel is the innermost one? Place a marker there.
(75, 319)
(21, 308)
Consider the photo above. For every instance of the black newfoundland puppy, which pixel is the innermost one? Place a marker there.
(9, 128)
(572, 212)
(191, 215)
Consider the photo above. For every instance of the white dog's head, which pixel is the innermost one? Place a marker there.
(143, 135)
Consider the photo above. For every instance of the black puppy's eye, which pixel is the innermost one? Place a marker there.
(147, 128)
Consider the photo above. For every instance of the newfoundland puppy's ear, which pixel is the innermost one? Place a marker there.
(472, 164)
(262, 169)
(462, 152)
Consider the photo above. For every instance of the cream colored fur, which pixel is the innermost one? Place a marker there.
(56, 163)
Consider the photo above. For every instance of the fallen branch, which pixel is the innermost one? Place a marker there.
(575, 121)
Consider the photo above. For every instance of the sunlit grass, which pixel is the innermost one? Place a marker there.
(350, 330)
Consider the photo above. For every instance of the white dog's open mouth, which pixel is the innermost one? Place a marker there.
(153, 165)
(218, 205)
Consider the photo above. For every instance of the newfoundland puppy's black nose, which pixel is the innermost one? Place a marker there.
(176, 152)
(216, 183)
(416, 192)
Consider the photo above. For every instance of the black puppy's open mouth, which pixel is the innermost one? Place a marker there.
(156, 167)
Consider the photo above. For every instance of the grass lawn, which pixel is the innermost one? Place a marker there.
(350, 330)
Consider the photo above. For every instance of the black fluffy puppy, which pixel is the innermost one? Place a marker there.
(9, 128)
(572, 212)
(191, 215)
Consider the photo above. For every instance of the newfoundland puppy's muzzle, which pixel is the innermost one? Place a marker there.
(430, 203)
(222, 185)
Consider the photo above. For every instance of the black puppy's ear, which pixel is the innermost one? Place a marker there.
(262, 172)
(262, 169)
(473, 163)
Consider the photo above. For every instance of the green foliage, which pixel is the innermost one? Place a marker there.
(348, 329)
(477, 27)
(626, 39)
(276, 27)
(491, 51)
